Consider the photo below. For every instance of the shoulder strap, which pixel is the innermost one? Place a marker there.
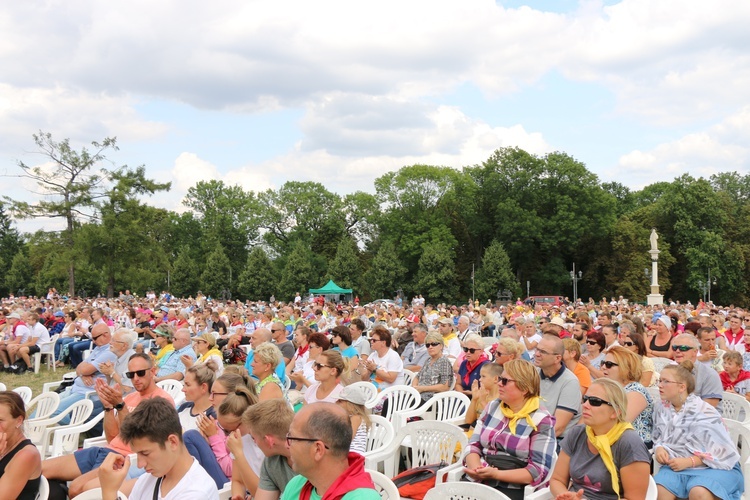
(156, 488)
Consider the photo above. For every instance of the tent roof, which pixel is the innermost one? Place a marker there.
(330, 288)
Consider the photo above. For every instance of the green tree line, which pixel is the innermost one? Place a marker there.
(439, 231)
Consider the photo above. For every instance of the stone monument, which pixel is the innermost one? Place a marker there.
(654, 298)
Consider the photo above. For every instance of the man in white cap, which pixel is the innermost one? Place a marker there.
(18, 334)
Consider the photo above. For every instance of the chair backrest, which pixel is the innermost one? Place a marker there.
(367, 388)
(43, 405)
(49, 346)
(96, 494)
(381, 433)
(225, 493)
(450, 406)
(740, 434)
(736, 407)
(464, 490)
(384, 485)
(172, 387)
(43, 489)
(653, 492)
(2, 387)
(399, 398)
(25, 393)
(660, 363)
(408, 377)
(80, 411)
(433, 442)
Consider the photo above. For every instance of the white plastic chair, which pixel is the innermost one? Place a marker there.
(96, 494)
(660, 363)
(226, 492)
(736, 407)
(2, 387)
(40, 430)
(740, 434)
(408, 377)
(380, 435)
(384, 485)
(43, 489)
(464, 490)
(432, 442)
(172, 387)
(46, 349)
(399, 398)
(43, 405)
(449, 406)
(51, 386)
(65, 438)
(367, 388)
(25, 393)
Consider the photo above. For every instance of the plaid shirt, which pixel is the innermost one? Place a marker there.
(492, 435)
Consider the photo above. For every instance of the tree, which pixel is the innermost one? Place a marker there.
(185, 279)
(386, 274)
(298, 274)
(20, 275)
(10, 244)
(345, 269)
(216, 277)
(495, 274)
(258, 281)
(69, 186)
(437, 276)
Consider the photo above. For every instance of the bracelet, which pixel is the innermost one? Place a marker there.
(692, 461)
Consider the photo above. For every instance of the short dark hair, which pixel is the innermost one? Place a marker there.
(330, 424)
(382, 333)
(319, 340)
(143, 356)
(359, 324)
(154, 419)
(344, 334)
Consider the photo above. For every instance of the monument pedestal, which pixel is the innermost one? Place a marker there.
(654, 299)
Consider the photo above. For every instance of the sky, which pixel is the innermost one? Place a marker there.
(340, 92)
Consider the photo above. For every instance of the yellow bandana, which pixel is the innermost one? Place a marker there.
(603, 445)
(531, 405)
(209, 354)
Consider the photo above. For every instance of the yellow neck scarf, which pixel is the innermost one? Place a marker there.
(603, 445)
(209, 353)
(531, 405)
(164, 350)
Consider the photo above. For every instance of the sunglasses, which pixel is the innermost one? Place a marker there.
(374, 340)
(140, 373)
(433, 344)
(472, 350)
(504, 381)
(592, 342)
(628, 344)
(318, 366)
(609, 364)
(682, 348)
(499, 354)
(594, 401)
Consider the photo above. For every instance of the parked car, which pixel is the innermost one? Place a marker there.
(550, 300)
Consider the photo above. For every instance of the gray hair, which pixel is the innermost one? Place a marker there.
(126, 335)
(473, 337)
(688, 339)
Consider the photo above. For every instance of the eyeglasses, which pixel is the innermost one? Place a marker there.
(609, 364)
(433, 344)
(140, 373)
(664, 381)
(504, 381)
(374, 340)
(278, 330)
(592, 342)
(471, 350)
(628, 344)
(545, 353)
(219, 393)
(225, 431)
(499, 354)
(682, 348)
(290, 438)
(594, 401)
(318, 366)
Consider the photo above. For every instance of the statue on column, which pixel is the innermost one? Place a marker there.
(654, 237)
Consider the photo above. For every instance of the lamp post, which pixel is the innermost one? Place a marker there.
(705, 286)
(575, 278)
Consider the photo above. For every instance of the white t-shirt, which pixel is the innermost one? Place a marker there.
(392, 363)
(40, 332)
(195, 485)
(252, 453)
(312, 397)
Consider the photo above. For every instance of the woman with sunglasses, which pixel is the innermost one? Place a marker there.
(605, 458)
(328, 369)
(474, 359)
(595, 344)
(384, 366)
(624, 367)
(437, 373)
(698, 457)
(341, 337)
(513, 443)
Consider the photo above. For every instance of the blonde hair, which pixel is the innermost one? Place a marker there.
(526, 376)
(512, 346)
(684, 374)
(433, 338)
(574, 346)
(630, 363)
(269, 418)
(477, 339)
(268, 353)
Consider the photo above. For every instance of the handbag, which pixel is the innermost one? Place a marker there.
(415, 483)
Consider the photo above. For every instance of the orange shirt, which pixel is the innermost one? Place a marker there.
(131, 401)
(584, 376)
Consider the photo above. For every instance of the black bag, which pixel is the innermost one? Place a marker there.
(505, 461)
(66, 382)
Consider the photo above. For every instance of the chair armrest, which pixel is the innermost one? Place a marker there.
(543, 494)
(450, 474)
(61, 432)
(96, 441)
(50, 386)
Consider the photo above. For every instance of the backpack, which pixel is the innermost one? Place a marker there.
(235, 356)
(415, 483)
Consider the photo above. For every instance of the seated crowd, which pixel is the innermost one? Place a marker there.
(581, 398)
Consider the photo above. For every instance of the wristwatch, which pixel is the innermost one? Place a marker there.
(120, 406)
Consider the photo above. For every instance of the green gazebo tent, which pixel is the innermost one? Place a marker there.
(331, 289)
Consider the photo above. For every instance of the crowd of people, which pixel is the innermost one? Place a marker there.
(580, 396)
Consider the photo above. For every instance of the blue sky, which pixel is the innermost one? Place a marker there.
(340, 92)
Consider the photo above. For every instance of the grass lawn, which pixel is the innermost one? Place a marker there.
(33, 380)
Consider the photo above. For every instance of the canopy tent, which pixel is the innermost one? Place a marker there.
(331, 288)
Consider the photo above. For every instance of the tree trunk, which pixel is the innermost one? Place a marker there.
(71, 280)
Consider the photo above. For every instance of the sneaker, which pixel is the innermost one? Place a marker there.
(30, 369)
